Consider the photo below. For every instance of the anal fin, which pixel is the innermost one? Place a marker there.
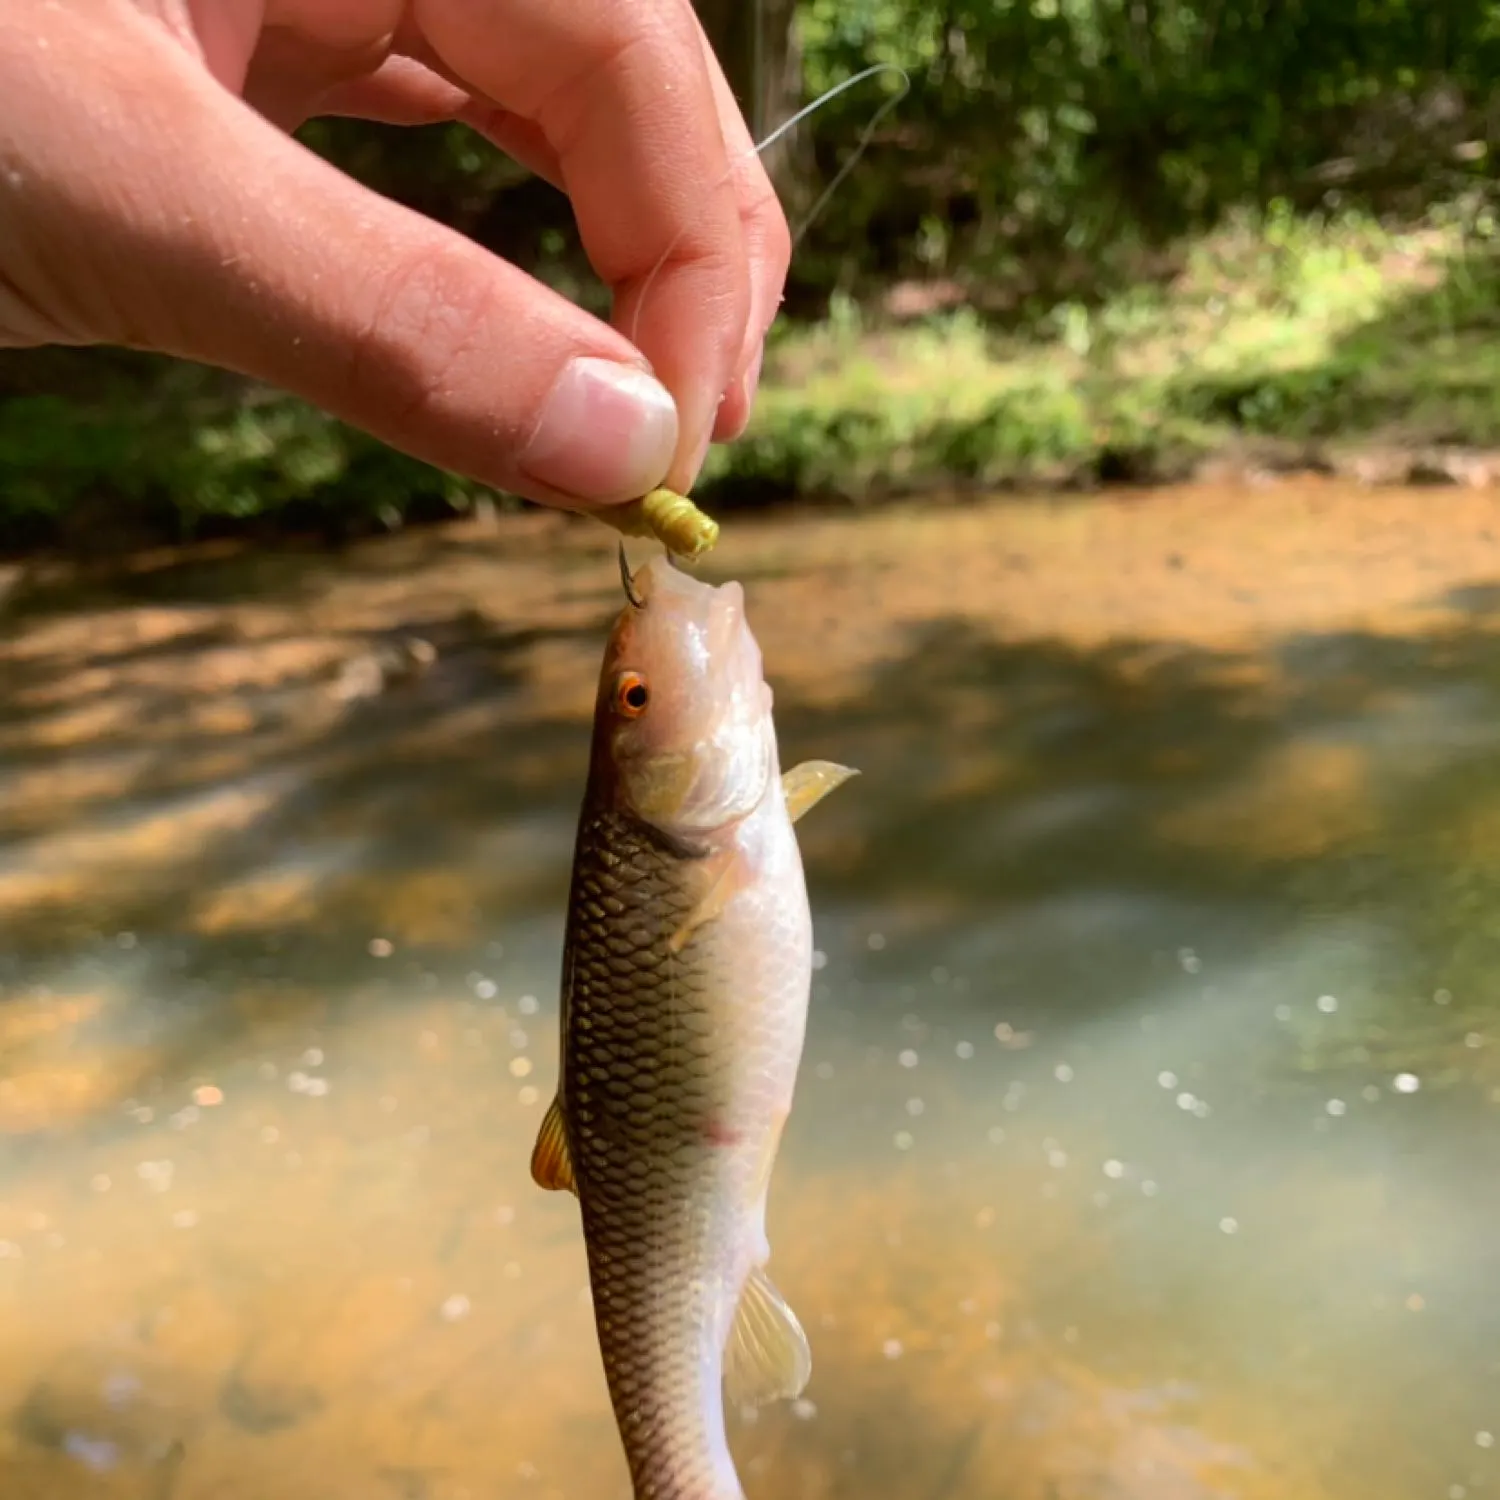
(551, 1165)
(807, 784)
(767, 1357)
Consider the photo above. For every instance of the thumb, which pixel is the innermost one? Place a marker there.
(154, 208)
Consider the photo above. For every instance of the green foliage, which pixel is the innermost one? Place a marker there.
(1083, 127)
(1277, 328)
(196, 458)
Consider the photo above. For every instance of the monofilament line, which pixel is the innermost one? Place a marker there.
(776, 135)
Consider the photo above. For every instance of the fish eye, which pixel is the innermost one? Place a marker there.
(631, 694)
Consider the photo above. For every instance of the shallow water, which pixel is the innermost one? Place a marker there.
(1146, 1139)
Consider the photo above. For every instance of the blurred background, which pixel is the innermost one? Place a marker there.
(1120, 501)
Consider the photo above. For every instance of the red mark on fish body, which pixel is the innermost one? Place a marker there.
(717, 1133)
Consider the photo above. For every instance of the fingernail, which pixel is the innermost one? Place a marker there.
(608, 432)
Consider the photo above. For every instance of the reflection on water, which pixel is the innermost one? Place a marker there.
(1145, 1144)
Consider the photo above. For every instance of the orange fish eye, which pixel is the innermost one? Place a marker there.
(631, 694)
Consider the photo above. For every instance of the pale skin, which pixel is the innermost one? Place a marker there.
(151, 196)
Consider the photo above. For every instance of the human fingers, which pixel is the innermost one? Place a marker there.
(417, 85)
(624, 96)
(144, 204)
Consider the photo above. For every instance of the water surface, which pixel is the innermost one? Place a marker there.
(1146, 1139)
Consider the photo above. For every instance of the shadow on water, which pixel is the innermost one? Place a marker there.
(1151, 1066)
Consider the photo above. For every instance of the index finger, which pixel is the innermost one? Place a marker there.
(623, 94)
(768, 244)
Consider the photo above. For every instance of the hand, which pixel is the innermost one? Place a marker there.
(151, 197)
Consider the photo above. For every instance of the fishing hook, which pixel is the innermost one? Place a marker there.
(628, 583)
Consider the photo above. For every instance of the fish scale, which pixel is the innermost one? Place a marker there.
(639, 1079)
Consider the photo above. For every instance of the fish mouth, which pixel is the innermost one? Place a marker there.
(713, 613)
(661, 578)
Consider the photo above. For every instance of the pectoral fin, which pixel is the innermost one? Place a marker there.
(806, 785)
(803, 787)
(731, 875)
(767, 1357)
(551, 1166)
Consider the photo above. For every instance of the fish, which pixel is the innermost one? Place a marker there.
(686, 975)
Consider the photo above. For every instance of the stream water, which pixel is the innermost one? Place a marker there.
(1148, 1135)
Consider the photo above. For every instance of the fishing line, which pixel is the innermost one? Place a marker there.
(787, 125)
(860, 145)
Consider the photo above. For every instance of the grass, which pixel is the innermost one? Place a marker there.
(1319, 339)
(1327, 337)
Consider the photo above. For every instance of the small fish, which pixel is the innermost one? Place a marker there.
(686, 970)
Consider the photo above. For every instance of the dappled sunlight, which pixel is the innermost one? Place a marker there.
(324, 1285)
(50, 1074)
(1151, 1048)
(1302, 802)
(64, 868)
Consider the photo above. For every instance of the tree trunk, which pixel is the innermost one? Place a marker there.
(757, 47)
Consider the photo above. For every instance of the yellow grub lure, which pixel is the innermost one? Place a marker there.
(671, 518)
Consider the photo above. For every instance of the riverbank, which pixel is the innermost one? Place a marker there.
(1277, 345)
